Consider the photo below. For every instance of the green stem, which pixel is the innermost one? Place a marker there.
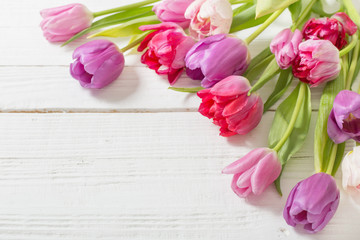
(135, 42)
(258, 31)
(124, 8)
(353, 66)
(187, 90)
(332, 159)
(350, 46)
(294, 117)
(303, 15)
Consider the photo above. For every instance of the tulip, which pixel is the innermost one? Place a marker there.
(312, 202)
(254, 172)
(344, 119)
(166, 49)
(61, 23)
(351, 170)
(173, 11)
(285, 46)
(97, 64)
(209, 17)
(230, 107)
(317, 62)
(333, 29)
(215, 58)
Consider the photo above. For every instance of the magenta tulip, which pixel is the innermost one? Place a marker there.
(254, 172)
(215, 58)
(312, 202)
(317, 62)
(62, 23)
(173, 11)
(97, 63)
(230, 107)
(344, 119)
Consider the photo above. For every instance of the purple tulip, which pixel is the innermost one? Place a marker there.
(344, 119)
(312, 202)
(254, 172)
(97, 63)
(215, 58)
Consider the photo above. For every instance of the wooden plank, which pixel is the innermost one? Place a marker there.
(139, 176)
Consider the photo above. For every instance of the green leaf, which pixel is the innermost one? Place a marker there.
(250, 23)
(242, 8)
(264, 7)
(107, 24)
(255, 72)
(338, 158)
(271, 70)
(246, 15)
(322, 142)
(187, 90)
(281, 122)
(259, 58)
(127, 29)
(282, 85)
(295, 10)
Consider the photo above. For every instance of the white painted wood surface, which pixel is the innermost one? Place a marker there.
(132, 161)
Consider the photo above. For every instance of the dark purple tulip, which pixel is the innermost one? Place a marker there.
(97, 63)
(215, 58)
(344, 119)
(312, 202)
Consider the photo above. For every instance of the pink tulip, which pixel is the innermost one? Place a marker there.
(317, 62)
(209, 17)
(97, 63)
(62, 23)
(173, 11)
(166, 49)
(254, 172)
(230, 107)
(349, 26)
(285, 46)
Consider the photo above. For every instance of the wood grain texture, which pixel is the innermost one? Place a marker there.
(121, 176)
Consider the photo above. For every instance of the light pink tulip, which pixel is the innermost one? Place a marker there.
(317, 62)
(351, 170)
(61, 23)
(173, 11)
(254, 172)
(285, 46)
(209, 17)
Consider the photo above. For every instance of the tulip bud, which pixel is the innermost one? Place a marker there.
(254, 172)
(173, 11)
(317, 62)
(351, 170)
(230, 107)
(166, 49)
(215, 58)
(285, 46)
(344, 119)
(97, 63)
(62, 23)
(312, 202)
(209, 17)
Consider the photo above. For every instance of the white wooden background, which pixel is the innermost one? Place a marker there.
(132, 161)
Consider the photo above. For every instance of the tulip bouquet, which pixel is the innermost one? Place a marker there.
(319, 49)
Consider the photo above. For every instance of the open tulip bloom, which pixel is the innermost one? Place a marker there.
(196, 37)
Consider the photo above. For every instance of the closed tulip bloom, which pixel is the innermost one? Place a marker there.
(209, 17)
(173, 11)
(166, 49)
(97, 63)
(215, 58)
(351, 170)
(285, 46)
(333, 29)
(254, 172)
(344, 119)
(317, 62)
(230, 107)
(312, 202)
(59, 24)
